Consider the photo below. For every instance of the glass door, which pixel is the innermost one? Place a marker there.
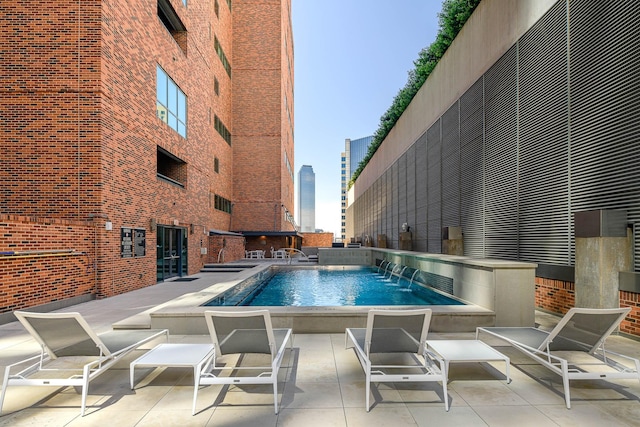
(171, 252)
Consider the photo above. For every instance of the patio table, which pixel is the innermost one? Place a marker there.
(467, 351)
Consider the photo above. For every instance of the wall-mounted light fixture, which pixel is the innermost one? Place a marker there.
(108, 226)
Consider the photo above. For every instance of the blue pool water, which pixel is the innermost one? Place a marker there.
(322, 287)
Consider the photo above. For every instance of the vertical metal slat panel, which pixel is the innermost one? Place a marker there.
(410, 217)
(402, 188)
(471, 166)
(434, 189)
(501, 161)
(605, 107)
(420, 227)
(451, 167)
(544, 131)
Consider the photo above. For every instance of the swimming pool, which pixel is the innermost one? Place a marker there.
(330, 287)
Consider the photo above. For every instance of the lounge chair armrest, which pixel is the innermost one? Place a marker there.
(23, 367)
(430, 357)
(601, 352)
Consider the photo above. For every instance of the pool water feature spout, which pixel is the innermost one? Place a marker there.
(400, 275)
(380, 266)
(412, 276)
(408, 288)
(391, 273)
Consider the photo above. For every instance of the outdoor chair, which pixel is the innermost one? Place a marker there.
(582, 331)
(392, 348)
(72, 354)
(243, 333)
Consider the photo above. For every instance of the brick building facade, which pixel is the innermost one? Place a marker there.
(132, 129)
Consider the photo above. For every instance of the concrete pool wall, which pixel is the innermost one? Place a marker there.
(505, 287)
(501, 293)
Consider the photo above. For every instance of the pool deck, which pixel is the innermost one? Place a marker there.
(322, 385)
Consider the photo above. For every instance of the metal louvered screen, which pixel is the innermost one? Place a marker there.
(501, 158)
(472, 166)
(434, 189)
(544, 131)
(605, 108)
(410, 214)
(552, 128)
(451, 167)
(420, 224)
(402, 189)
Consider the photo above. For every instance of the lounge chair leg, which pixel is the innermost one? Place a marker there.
(565, 382)
(444, 387)
(368, 391)
(196, 385)
(85, 390)
(275, 395)
(5, 383)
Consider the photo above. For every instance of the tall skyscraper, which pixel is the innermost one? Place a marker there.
(307, 199)
(354, 152)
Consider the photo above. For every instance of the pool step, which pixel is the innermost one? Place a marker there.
(225, 268)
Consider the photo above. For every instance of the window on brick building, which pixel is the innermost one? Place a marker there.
(172, 23)
(171, 103)
(171, 168)
(223, 58)
(216, 86)
(216, 165)
(222, 204)
(222, 129)
(216, 8)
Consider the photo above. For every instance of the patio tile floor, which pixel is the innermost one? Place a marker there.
(322, 385)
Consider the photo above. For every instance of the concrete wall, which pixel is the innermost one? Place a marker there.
(495, 26)
(505, 287)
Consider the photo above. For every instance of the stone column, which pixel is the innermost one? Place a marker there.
(406, 241)
(452, 241)
(603, 249)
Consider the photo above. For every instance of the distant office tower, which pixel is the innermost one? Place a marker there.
(354, 152)
(307, 199)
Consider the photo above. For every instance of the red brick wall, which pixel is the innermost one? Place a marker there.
(41, 270)
(50, 130)
(79, 131)
(558, 296)
(555, 296)
(631, 324)
(233, 248)
(318, 240)
(262, 130)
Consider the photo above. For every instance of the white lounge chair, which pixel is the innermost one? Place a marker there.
(581, 331)
(72, 354)
(243, 332)
(397, 331)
